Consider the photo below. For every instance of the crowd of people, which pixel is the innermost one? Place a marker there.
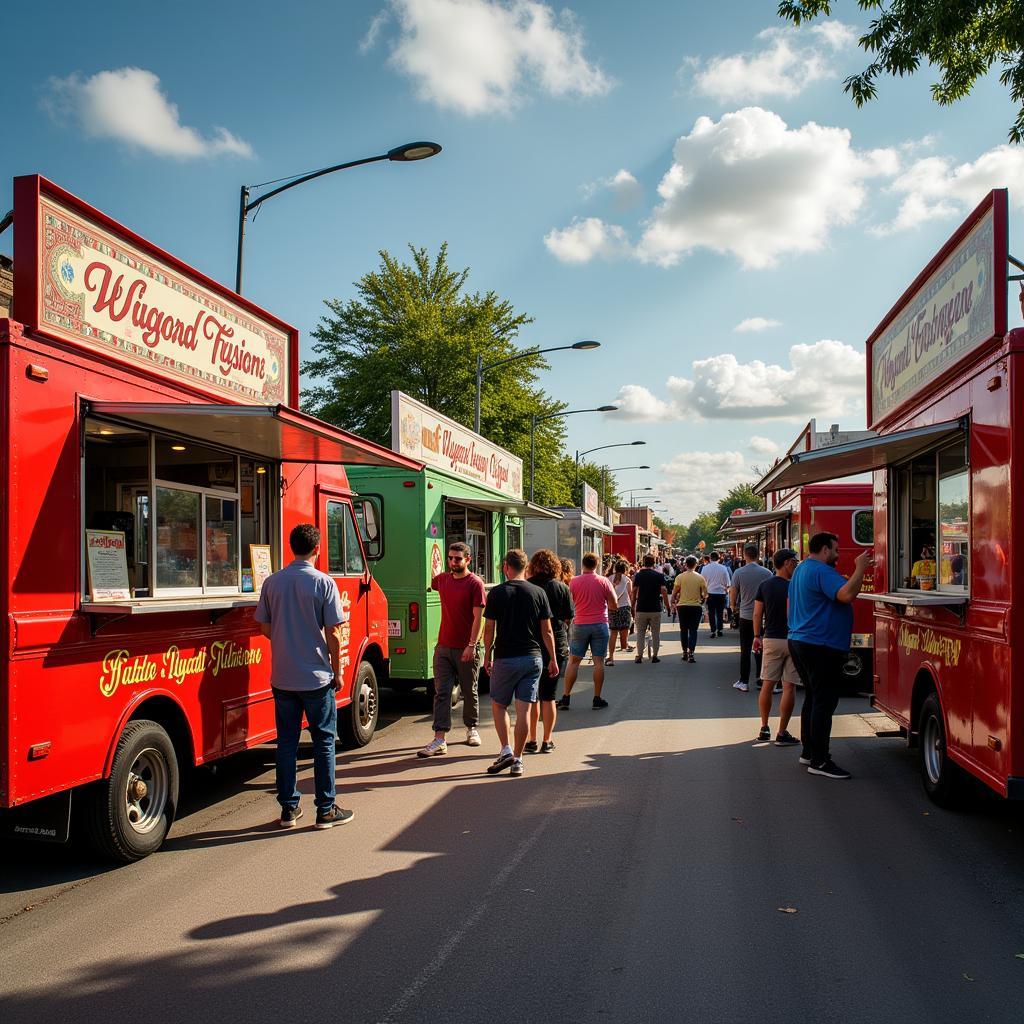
(794, 622)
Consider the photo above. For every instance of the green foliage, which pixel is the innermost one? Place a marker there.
(414, 328)
(593, 474)
(741, 496)
(703, 528)
(963, 39)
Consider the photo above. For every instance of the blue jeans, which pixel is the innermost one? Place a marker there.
(322, 715)
(689, 619)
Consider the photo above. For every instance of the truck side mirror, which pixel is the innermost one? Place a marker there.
(369, 520)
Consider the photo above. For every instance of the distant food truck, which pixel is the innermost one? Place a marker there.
(579, 531)
(944, 379)
(626, 542)
(465, 489)
(794, 516)
(153, 465)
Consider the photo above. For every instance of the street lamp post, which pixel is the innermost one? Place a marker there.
(601, 448)
(535, 419)
(408, 153)
(604, 477)
(633, 491)
(481, 369)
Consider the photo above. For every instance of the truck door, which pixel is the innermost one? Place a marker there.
(345, 563)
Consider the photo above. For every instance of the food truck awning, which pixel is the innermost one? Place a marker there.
(752, 522)
(856, 456)
(510, 506)
(271, 432)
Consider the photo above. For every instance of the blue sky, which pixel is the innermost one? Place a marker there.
(651, 176)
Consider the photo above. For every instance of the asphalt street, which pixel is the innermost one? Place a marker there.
(660, 865)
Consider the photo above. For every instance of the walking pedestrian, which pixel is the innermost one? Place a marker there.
(544, 572)
(619, 621)
(650, 596)
(594, 598)
(742, 593)
(718, 579)
(771, 634)
(519, 613)
(457, 655)
(820, 624)
(689, 592)
(300, 610)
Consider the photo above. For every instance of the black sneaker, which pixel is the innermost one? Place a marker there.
(785, 739)
(502, 762)
(290, 816)
(638, 661)
(563, 704)
(655, 661)
(829, 769)
(335, 816)
(764, 735)
(547, 746)
(599, 702)
(531, 747)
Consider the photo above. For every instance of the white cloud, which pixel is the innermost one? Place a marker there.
(788, 64)
(750, 185)
(128, 105)
(480, 56)
(583, 240)
(756, 323)
(762, 445)
(693, 482)
(823, 379)
(626, 190)
(932, 188)
(369, 41)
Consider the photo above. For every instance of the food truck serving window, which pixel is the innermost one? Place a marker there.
(189, 512)
(472, 526)
(932, 520)
(344, 555)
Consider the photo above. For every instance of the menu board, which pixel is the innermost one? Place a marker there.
(107, 561)
(262, 564)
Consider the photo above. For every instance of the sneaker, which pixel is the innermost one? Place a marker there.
(829, 769)
(472, 738)
(741, 686)
(599, 702)
(786, 739)
(517, 767)
(290, 816)
(777, 688)
(501, 763)
(435, 748)
(804, 759)
(547, 746)
(638, 661)
(531, 747)
(335, 816)
(655, 661)
(563, 704)
(764, 735)
(691, 659)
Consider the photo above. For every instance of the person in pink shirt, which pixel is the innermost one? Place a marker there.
(594, 597)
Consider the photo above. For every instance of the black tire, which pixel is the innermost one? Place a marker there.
(358, 721)
(131, 813)
(943, 780)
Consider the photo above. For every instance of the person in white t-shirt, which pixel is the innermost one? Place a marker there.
(718, 579)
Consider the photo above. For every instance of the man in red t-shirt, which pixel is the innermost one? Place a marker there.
(457, 655)
(594, 597)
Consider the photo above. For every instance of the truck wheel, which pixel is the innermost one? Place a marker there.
(359, 720)
(943, 780)
(132, 811)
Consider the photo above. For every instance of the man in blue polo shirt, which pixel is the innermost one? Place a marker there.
(820, 623)
(300, 611)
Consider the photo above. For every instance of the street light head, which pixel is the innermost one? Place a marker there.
(414, 151)
(607, 408)
(643, 467)
(638, 442)
(585, 346)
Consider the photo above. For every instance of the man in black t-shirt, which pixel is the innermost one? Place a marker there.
(521, 615)
(771, 630)
(650, 595)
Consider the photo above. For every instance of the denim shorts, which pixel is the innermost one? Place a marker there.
(515, 677)
(593, 635)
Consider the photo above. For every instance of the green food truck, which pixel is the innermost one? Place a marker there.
(469, 490)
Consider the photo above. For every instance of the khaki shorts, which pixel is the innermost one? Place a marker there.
(777, 663)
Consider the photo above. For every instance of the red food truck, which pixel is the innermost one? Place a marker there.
(153, 463)
(943, 380)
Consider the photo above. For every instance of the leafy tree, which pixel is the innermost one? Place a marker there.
(702, 528)
(414, 328)
(963, 39)
(741, 496)
(593, 474)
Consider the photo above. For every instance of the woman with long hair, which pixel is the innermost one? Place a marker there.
(568, 570)
(545, 571)
(619, 621)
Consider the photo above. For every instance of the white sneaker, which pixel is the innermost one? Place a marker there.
(738, 685)
(472, 738)
(742, 687)
(434, 748)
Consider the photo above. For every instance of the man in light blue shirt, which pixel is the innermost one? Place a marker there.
(300, 611)
(820, 623)
(718, 579)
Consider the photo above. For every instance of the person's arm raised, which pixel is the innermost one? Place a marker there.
(848, 592)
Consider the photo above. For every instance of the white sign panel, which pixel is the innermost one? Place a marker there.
(102, 293)
(423, 433)
(395, 628)
(948, 317)
(590, 502)
(107, 561)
